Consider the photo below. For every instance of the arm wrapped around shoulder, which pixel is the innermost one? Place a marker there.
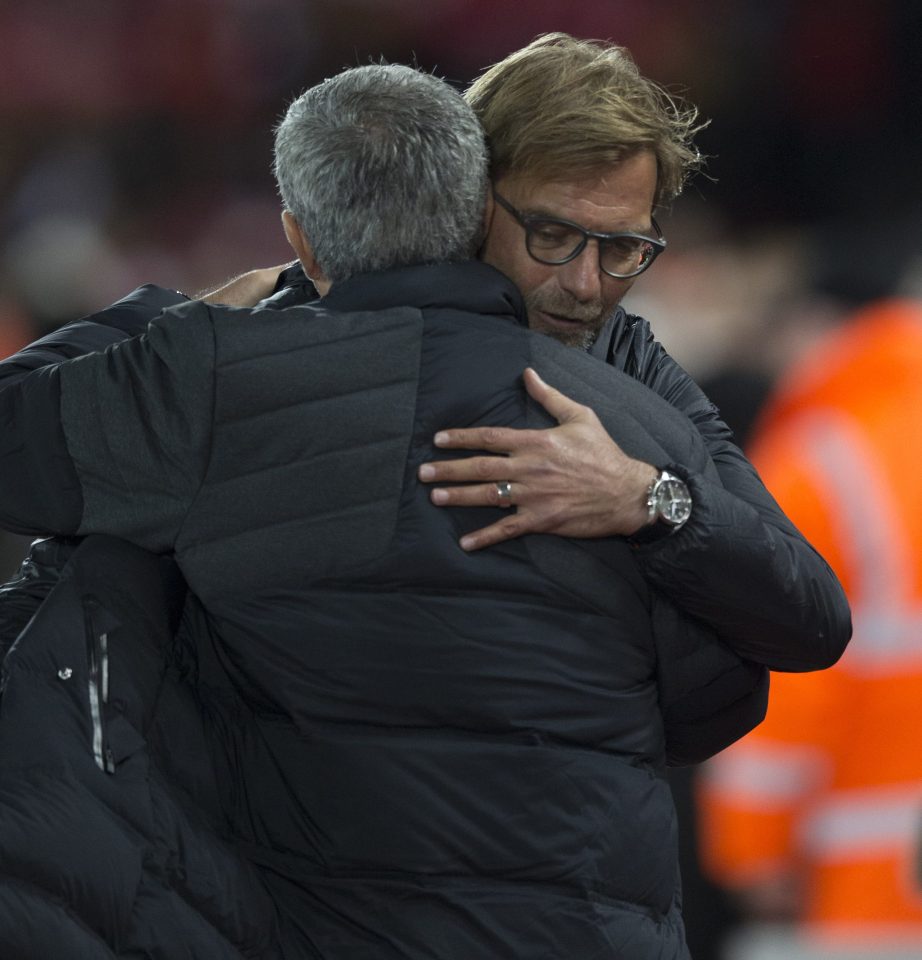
(40, 492)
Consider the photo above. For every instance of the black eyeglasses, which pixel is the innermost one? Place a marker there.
(553, 241)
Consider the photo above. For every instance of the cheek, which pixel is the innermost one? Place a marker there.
(531, 276)
(612, 292)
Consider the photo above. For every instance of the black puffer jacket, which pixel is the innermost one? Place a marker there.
(112, 841)
(422, 752)
(739, 565)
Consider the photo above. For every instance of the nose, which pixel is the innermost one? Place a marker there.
(582, 276)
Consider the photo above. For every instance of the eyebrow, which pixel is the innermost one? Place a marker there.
(539, 214)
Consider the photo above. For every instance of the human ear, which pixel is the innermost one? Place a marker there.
(304, 249)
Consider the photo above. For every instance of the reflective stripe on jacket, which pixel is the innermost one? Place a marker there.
(832, 780)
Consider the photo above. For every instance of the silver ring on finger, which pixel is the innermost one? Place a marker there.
(504, 493)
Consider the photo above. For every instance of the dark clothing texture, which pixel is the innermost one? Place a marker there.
(109, 811)
(739, 564)
(374, 744)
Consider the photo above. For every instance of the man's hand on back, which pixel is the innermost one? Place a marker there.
(246, 290)
(572, 480)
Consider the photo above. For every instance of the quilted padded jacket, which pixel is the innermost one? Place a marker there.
(419, 752)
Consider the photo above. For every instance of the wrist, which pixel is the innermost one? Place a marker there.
(646, 478)
(668, 505)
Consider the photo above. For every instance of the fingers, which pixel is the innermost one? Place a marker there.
(506, 529)
(557, 404)
(483, 495)
(509, 439)
(494, 439)
(476, 495)
(468, 470)
(246, 290)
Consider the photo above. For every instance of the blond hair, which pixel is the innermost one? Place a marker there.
(562, 108)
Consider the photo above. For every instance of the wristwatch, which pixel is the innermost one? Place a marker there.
(668, 501)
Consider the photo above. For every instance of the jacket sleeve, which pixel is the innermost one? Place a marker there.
(127, 317)
(709, 695)
(21, 596)
(739, 564)
(112, 442)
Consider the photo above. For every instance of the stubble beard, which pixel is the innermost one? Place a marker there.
(591, 317)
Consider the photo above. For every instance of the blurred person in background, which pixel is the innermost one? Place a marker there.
(813, 820)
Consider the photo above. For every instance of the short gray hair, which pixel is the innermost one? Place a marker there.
(383, 166)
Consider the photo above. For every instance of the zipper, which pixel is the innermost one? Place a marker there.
(97, 656)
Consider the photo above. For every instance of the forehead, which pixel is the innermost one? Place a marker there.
(619, 198)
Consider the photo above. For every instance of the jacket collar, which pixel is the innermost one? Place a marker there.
(470, 286)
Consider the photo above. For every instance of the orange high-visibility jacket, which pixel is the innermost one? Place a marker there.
(831, 782)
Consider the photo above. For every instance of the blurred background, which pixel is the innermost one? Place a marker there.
(135, 147)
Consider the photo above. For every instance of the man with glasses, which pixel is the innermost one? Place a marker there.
(554, 242)
(583, 150)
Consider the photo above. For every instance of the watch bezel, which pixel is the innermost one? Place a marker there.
(670, 501)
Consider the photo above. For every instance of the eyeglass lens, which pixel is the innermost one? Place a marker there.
(554, 242)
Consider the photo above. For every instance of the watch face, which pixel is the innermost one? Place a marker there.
(673, 501)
